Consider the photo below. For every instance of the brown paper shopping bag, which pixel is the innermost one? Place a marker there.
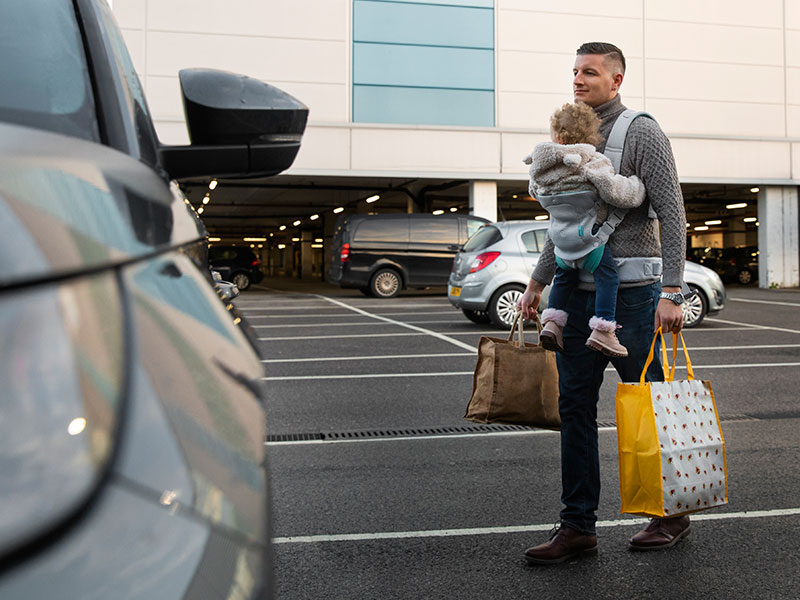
(515, 382)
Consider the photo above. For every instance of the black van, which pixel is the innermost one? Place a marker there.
(383, 254)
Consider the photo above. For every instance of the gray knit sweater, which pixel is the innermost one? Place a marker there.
(648, 155)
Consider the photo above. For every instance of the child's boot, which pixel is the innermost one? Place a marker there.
(553, 321)
(604, 337)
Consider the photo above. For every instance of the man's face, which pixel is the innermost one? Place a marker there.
(593, 82)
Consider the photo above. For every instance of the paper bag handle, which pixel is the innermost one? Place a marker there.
(669, 371)
(517, 326)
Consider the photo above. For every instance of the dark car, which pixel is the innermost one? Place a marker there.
(739, 264)
(384, 254)
(236, 264)
(133, 428)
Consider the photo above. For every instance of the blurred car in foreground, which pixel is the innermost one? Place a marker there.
(133, 428)
(492, 269)
(236, 264)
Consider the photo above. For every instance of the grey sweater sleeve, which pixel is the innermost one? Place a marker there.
(545, 268)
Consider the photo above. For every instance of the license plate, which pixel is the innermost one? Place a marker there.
(455, 291)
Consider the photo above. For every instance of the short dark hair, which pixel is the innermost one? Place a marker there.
(610, 51)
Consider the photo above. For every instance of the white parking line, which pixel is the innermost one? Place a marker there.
(751, 326)
(344, 314)
(371, 357)
(764, 302)
(410, 307)
(369, 335)
(395, 323)
(428, 533)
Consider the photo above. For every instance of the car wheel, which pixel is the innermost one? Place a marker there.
(503, 305)
(695, 308)
(745, 276)
(241, 280)
(386, 283)
(477, 316)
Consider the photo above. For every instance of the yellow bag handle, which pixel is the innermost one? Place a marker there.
(669, 371)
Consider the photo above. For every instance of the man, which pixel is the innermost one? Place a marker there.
(641, 305)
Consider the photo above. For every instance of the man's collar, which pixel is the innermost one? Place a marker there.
(611, 108)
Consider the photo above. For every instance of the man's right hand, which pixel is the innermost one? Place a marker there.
(529, 301)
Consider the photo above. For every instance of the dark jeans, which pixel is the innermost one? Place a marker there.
(580, 373)
(606, 282)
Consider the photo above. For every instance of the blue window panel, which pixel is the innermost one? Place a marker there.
(474, 3)
(423, 66)
(420, 106)
(427, 24)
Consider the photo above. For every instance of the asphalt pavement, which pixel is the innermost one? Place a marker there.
(380, 489)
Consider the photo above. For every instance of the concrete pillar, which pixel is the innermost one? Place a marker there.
(307, 255)
(483, 199)
(778, 245)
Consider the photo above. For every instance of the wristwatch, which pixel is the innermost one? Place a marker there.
(676, 297)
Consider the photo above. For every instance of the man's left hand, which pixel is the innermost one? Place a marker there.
(669, 316)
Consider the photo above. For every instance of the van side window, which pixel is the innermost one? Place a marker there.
(473, 225)
(379, 230)
(529, 240)
(434, 231)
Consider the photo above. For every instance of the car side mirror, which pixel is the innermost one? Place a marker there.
(454, 247)
(238, 127)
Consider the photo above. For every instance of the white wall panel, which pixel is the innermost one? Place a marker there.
(792, 14)
(764, 13)
(134, 40)
(796, 161)
(746, 45)
(718, 118)
(559, 33)
(692, 81)
(264, 58)
(792, 48)
(617, 8)
(130, 14)
(532, 110)
(731, 159)
(515, 147)
(793, 121)
(793, 85)
(172, 133)
(164, 97)
(324, 148)
(311, 19)
(421, 150)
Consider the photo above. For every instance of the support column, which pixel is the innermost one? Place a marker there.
(778, 245)
(483, 199)
(307, 255)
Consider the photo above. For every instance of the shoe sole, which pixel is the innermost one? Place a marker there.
(669, 544)
(549, 342)
(555, 561)
(604, 349)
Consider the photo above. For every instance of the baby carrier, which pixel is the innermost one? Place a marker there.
(579, 242)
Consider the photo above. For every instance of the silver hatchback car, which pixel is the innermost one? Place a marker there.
(491, 270)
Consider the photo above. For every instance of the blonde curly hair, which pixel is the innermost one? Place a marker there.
(576, 123)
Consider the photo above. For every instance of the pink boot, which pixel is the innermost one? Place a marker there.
(553, 320)
(604, 337)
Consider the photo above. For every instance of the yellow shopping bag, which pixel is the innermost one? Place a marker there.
(671, 449)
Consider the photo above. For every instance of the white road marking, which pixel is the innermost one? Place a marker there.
(367, 335)
(751, 326)
(344, 314)
(428, 533)
(435, 334)
(454, 373)
(297, 325)
(410, 307)
(372, 357)
(765, 302)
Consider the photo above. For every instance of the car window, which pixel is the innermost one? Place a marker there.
(382, 230)
(541, 237)
(473, 225)
(530, 242)
(45, 75)
(483, 238)
(434, 231)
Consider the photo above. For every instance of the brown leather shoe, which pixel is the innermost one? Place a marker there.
(661, 533)
(565, 543)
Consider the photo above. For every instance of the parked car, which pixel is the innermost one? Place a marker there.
(133, 427)
(236, 264)
(738, 264)
(384, 254)
(491, 271)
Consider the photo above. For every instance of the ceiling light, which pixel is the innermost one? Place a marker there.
(254, 239)
(714, 222)
(295, 239)
(541, 218)
(200, 210)
(318, 240)
(314, 217)
(206, 200)
(756, 223)
(252, 245)
(213, 184)
(438, 212)
(282, 227)
(261, 245)
(281, 246)
(755, 190)
(750, 219)
(214, 239)
(687, 226)
(296, 223)
(316, 245)
(514, 196)
(453, 209)
(737, 205)
(338, 210)
(271, 234)
(372, 199)
(701, 228)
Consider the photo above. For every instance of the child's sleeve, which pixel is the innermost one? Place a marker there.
(614, 189)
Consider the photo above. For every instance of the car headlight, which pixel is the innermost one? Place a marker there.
(62, 370)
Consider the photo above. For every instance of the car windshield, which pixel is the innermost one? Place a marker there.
(44, 72)
(483, 238)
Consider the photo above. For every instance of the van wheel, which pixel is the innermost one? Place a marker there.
(241, 281)
(503, 305)
(476, 316)
(386, 283)
(695, 308)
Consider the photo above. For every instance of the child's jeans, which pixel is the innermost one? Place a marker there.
(606, 283)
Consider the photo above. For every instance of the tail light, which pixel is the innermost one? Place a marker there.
(482, 261)
(733, 262)
(255, 263)
(345, 256)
